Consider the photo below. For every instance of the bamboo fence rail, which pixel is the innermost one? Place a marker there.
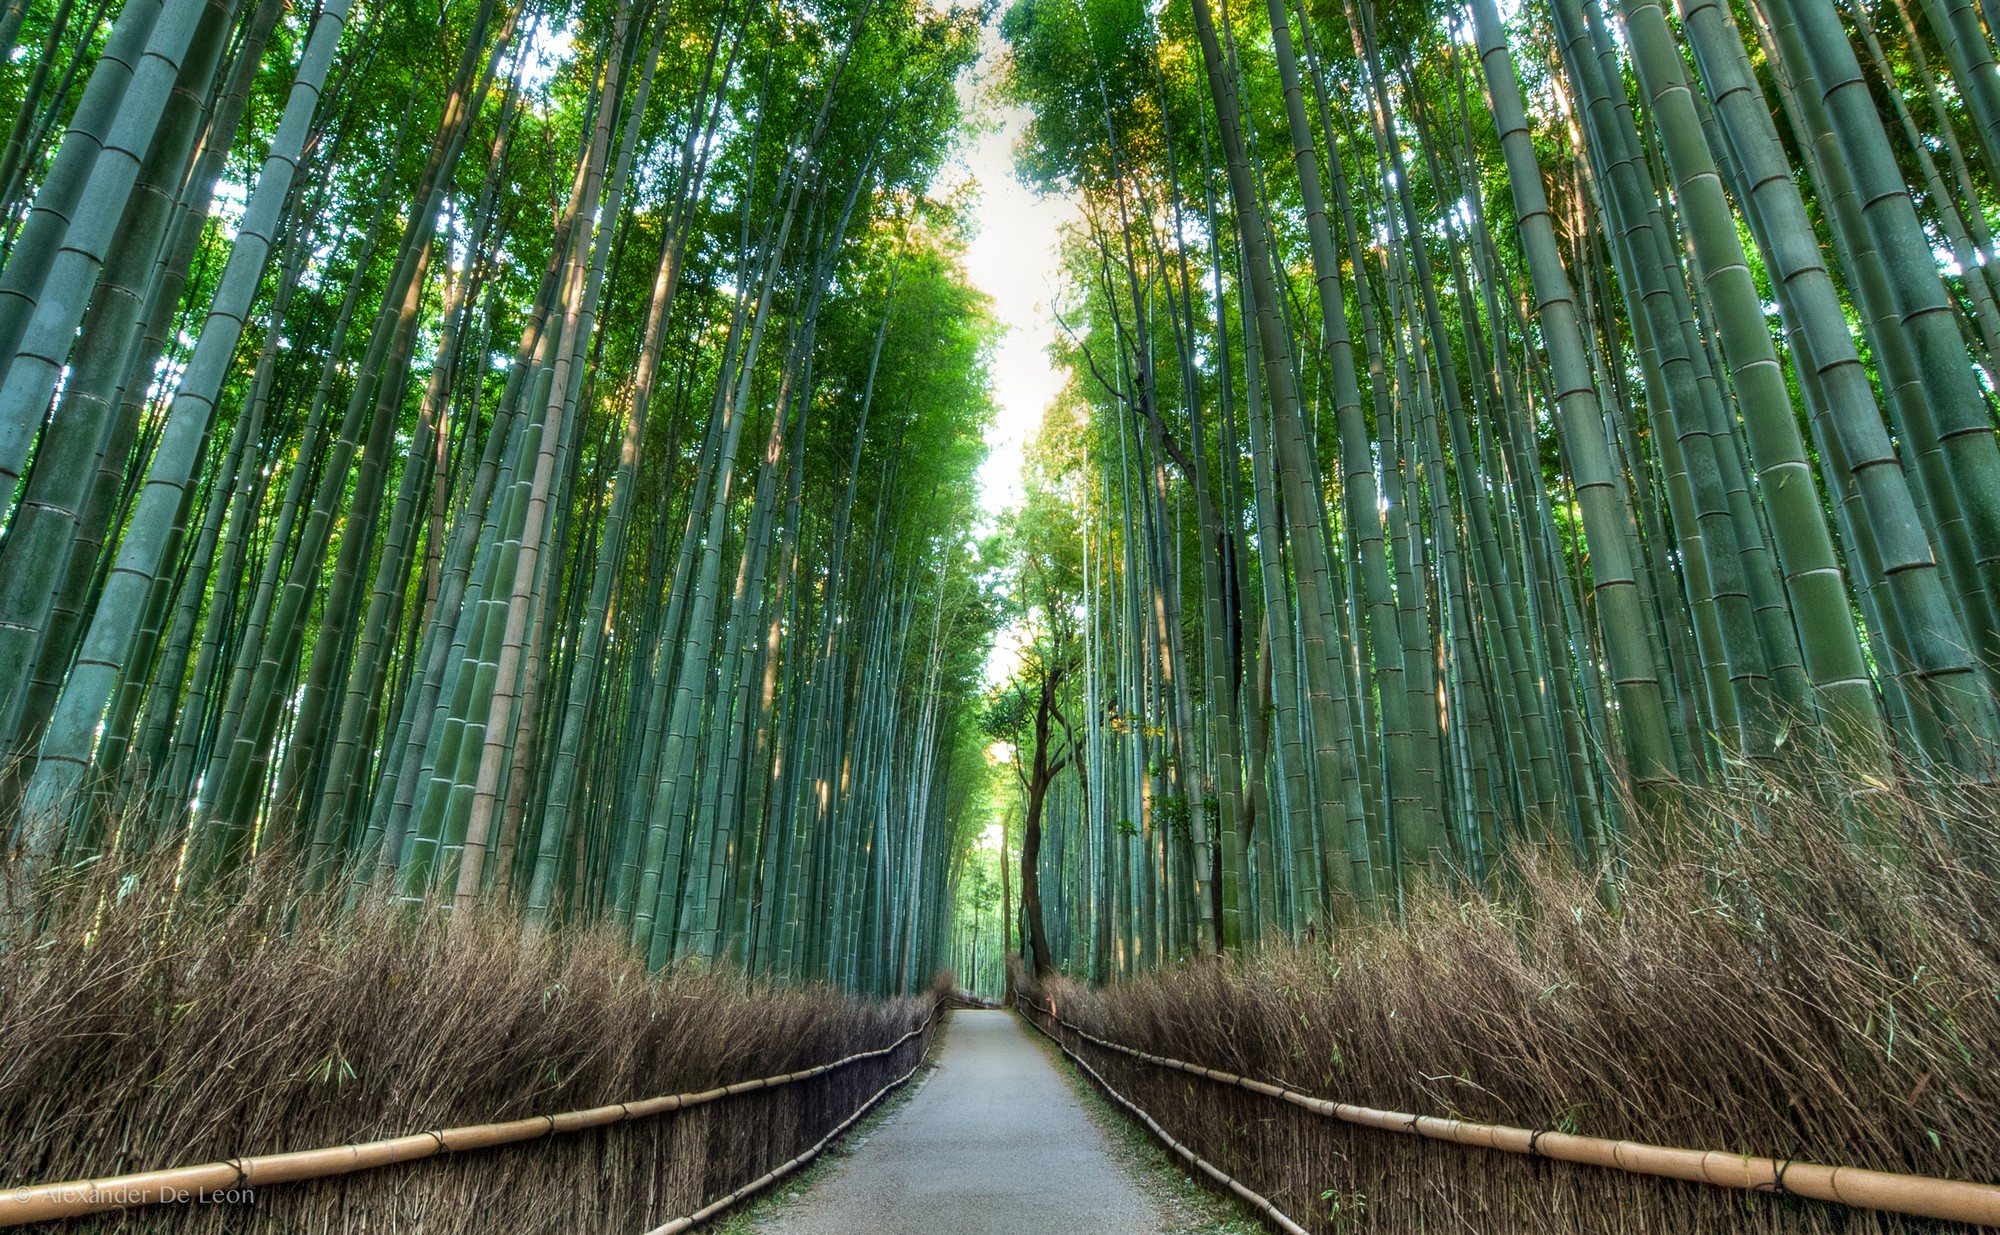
(1256, 1200)
(76, 1198)
(1919, 1196)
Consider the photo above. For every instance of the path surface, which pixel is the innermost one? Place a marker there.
(994, 1144)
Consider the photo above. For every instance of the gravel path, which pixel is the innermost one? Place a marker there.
(994, 1144)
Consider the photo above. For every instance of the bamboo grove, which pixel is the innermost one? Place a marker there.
(1486, 426)
(498, 451)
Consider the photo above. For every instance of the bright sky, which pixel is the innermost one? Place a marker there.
(1012, 258)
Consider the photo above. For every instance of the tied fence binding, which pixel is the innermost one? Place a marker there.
(1920, 1196)
(76, 1198)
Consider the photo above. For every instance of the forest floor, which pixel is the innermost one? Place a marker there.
(995, 1143)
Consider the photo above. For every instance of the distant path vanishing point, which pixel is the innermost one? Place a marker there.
(994, 1144)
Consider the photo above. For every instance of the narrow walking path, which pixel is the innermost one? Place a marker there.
(994, 1144)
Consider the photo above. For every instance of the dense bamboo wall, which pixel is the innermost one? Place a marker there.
(496, 453)
(1493, 428)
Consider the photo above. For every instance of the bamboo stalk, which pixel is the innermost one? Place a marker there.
(1921, 1196)
(48, 1202)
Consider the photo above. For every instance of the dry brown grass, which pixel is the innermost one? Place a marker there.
(138, 1031)
(1785, 994)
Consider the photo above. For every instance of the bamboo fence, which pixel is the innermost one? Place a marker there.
(1919, 1196)
(48, 1202)
(1254, 1199)
(783, 1169)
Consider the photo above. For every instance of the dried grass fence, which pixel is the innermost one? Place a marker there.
(1910, 1195)
(1775, 995)
(140, 1030)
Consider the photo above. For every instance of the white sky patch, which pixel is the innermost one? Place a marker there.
(1012, 258)
(1010, 643)
(548, 51)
